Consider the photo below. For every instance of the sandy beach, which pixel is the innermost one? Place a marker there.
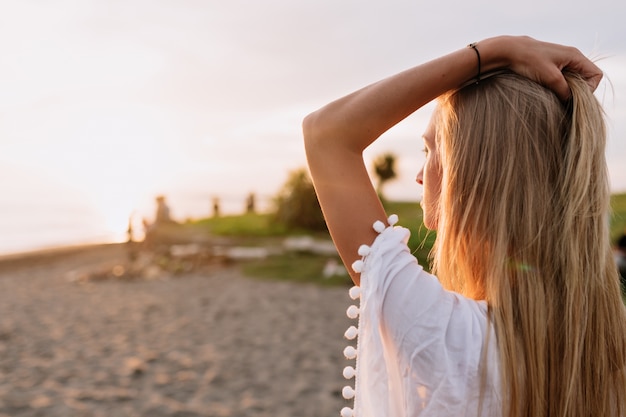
(209, 343)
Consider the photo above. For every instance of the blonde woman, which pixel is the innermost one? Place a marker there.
(524, 316)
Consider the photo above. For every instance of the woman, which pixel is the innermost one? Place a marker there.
(525, 316)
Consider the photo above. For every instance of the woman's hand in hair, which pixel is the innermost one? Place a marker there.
(542, 62)
(336, 135)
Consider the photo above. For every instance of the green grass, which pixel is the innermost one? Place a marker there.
(251, 229)
(245, 225)
(295, 267)
(618, 215)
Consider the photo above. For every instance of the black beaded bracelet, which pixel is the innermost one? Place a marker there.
(473, 46)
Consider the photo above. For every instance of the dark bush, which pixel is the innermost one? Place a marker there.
(297, 205)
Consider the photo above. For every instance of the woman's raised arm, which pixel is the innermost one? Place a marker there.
(336, 135)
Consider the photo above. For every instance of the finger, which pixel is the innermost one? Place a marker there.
(591, 75)
(590, 72)
(594, 80)
(555, 81)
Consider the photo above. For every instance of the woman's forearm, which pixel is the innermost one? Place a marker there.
(359, 118)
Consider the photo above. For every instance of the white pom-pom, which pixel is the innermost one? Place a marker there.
(349, 352)
(347, 412)
(355, 292)
(349, 372)
(352, 312)
(379, 226)
(351, 333)
(357, 266)
(393, 219)
(364, 250)
(347, 392)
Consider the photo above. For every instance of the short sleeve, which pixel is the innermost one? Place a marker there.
(420, 348)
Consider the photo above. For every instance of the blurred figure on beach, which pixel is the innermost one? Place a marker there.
(162, 215)
(163, 211)
(251, 203)
(129, 230)
(216, 207)
(161, 224)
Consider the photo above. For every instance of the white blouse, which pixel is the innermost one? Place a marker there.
(419, 348)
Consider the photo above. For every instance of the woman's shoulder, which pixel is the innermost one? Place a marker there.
(388, 260)
(406, 296)
(436, 336)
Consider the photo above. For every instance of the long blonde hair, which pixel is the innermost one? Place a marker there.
(523, 224)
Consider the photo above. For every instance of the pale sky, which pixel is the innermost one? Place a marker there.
(111, 102)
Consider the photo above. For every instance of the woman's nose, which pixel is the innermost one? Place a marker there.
(420, 177)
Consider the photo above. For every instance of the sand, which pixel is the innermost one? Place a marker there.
(206, 343)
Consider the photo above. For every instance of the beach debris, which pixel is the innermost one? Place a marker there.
(308, 244)
(333, 268)
(243, 253)
(166, 261)
(148, 265)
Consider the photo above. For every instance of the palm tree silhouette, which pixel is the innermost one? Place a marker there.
(384, 167)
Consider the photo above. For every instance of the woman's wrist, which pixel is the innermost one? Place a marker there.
(493, 53)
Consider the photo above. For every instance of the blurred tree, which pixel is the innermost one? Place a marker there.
(384, 167)
(297, 205)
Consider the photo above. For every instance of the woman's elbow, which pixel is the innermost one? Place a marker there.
(311, 129)
(320, 131)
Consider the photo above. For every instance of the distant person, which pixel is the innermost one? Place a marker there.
(522, 315)
(251, 203)
(129, 230)
(216, 207)
(162, 211)
(131, 249)
(154, 231)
